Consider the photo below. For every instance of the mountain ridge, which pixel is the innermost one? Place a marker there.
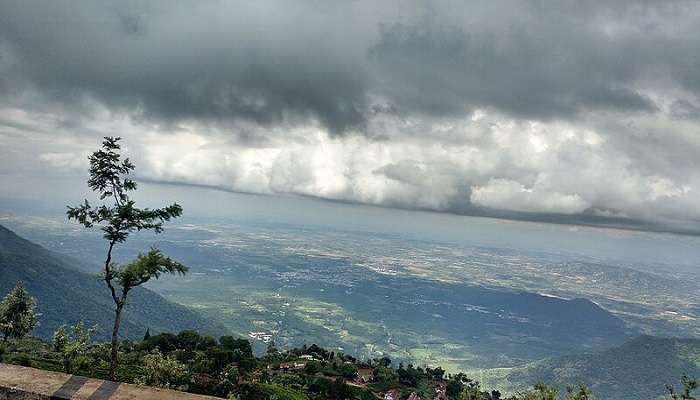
(68, 295)
(635, 370)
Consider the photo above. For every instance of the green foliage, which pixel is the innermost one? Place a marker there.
(20, 359)
(72, 347)
(471, 390)
(384, 378)
(201, 364)
(456, 384)
(233, 344)
(144, 268)
(437, 373)
(218, 358)
(272, 353)
(689, 386)
(187, 340)
(540, 392)
(18, 315)
(227, 381)
(409, 376)
(109, 177)
(262, 391)
(292, 381)
(580, 392)
(330, 389)
(312, 367)
(164, 371)
(346, 370)
(384, 361)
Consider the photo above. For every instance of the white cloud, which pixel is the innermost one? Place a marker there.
(510, 195)
(65, 160)
(489, 161)
(443, 106)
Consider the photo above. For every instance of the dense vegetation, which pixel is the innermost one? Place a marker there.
(18, 316)
(228, 368)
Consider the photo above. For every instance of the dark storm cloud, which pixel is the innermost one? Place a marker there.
(538, 59)
(578, 108)
(274, 62)
(201, 60)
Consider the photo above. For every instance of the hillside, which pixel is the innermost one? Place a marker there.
(413, 301)
(66, 295)
(635, 370)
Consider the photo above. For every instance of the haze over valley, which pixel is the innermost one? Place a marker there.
(497, 295)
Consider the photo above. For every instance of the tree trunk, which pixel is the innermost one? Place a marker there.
(115, 341)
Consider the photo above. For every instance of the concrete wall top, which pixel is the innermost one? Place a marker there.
(23, 383)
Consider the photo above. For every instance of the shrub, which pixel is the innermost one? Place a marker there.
(164, 371)
(73, 347)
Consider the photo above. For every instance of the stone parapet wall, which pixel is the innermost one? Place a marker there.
(23, 383)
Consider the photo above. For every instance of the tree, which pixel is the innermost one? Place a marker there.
(233, 344)
(456, 384)
(383, 362)
(164, 371)
(73, 347)
(312, 367)
(339, 390)
(580, 392)
(272, 353)
(438, 373)
(18, 315)
(117, 219)
(472, 391)
(540, 392)
(689, 385)
(228, 380)
(348, 371)
(385, 376)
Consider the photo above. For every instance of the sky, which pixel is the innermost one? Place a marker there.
(573, 111)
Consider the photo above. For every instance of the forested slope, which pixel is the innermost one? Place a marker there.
(67, 295)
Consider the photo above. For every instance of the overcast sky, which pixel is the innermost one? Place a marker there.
(572, 110)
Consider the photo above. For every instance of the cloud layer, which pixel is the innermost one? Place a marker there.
(586, 109)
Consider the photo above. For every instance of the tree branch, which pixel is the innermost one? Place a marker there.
(108, 273)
